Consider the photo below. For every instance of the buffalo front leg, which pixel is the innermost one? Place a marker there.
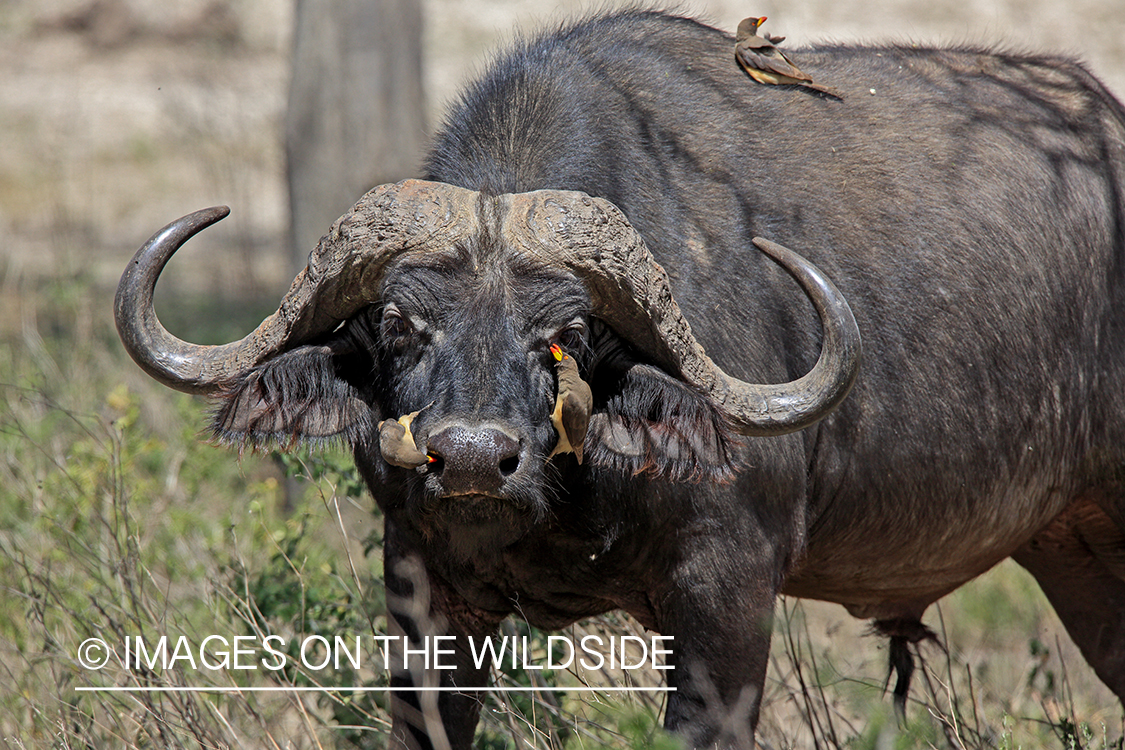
(431, 628)
(721, 622)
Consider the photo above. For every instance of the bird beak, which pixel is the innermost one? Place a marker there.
(557, 351)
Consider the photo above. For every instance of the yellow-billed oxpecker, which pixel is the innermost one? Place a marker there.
(396, 442)
(760, 57)
(572, 405)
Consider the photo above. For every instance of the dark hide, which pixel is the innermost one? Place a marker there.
(969, 206)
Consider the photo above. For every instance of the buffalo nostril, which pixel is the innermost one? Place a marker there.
(509, 465)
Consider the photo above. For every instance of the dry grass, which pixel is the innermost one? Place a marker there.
(118, 520)
(828, 681)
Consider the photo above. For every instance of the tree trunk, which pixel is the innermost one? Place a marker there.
(356, 114)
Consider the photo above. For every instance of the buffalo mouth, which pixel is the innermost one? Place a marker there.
(472, 498)
(473, 508)
(475, 524)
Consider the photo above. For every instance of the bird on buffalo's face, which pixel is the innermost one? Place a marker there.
(572, 405)
(396, 442)
(760, 57)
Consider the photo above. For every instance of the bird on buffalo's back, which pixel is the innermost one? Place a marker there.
(760, 57)
(573, 404)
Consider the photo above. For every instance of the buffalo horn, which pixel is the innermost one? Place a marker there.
(343, 277)
(631, 291)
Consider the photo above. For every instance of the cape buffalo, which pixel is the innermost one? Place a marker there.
(600, 188)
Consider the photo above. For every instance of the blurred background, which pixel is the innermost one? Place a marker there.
(116, 516)
(118, 116)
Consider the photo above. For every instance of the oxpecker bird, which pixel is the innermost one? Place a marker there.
(396, 442)
(760, 57)
(572, 406)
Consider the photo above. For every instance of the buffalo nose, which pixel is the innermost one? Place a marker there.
(473, 461)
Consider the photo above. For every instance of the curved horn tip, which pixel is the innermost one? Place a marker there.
(772, 249)
(221, 212)
(202, 218)
(837, 369)
(199, 220)
(164, 357)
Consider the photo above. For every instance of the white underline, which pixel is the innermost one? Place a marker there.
(388, 689)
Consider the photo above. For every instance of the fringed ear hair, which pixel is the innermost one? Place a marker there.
(295, 397)
(655, 424)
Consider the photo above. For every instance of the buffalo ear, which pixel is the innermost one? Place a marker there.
(299, 395)
(655, 424)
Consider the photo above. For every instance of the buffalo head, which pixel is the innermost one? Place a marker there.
(434, 299)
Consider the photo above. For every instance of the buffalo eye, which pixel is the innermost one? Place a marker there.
(394, 328)
(571, 338)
